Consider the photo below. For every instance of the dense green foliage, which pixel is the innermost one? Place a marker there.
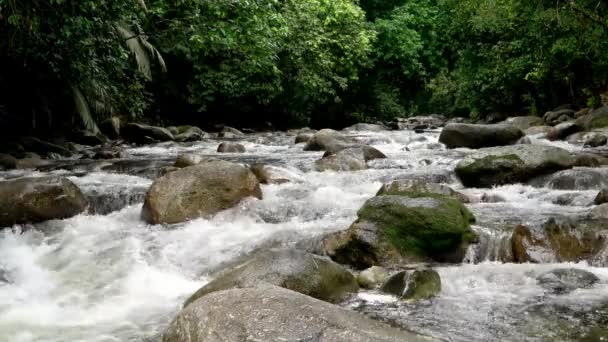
(296, 61)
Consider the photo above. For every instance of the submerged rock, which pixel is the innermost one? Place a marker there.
(602, 197)
(391, 229)
(574, 179)
(511, 164)
(230, 147)
(417, 188)
(565, 280)
(275, 314)
(198, 191)
(295, 270)
(348, 159)
(32, 200)
(414, 285)
(478, 136)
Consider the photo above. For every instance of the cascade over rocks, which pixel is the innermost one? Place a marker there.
(392, 229)
(478, 136)
(328, 140)
(511, 164)
(295, 270)
(272, 313)
(143, 134)
(33, 200)
(198, 191)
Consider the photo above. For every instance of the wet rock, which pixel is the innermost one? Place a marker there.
(492, 198)
(602, 197)
(344, 160)
(42, 147)
(478, 136)
(524, 141)
(537, 130)
(558, 116)
(597, 118)
(420, 122)
(230, 147)
(108, 154)
(173, 130)
(511, 164)
(328, 140)
(574, 179)
(230, 133)
(103, 203)
(145, 134)
(600, 213)
(304, 137)
(417, 188)
(295, 270)
(528, 248)
(563, 130)
(198, 191)
(565, 280)
(524, 122)
(595, 140)
(185, 160)
(275, 314)
(366, 127)
(7, 162)
(495, 117)
(372, 277)
(88, 138)
(589, 160)
(393, 229)
(32, 200)
(414, 285)
(265, 176)
(12, 148)
(190, 134)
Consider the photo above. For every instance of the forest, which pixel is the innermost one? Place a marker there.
(294, 63)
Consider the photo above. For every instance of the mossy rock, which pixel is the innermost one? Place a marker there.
(597, 118)
(414, 285)
(417, 188)
(511, 164)
(399, 229)
(295, 270)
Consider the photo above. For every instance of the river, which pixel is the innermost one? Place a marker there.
(111, 277)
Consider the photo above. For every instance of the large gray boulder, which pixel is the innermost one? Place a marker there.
(198, 191)
(231, 147)
(275, 314)
(141, 134)
(511, 164)
(478, 136)
(328, 140)
(597, 118)
(190, 134)
(348, 159)
(32, 200)
(579, 178)
(293, 269)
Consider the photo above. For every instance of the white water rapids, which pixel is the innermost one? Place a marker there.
(114, 278)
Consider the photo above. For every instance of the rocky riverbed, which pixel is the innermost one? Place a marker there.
(104, 272)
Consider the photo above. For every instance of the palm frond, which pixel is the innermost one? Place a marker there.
(82, 108)
(143, 51)
(142, 3)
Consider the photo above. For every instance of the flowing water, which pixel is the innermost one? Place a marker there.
(108, 276)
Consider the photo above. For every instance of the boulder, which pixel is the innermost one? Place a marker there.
(190, 134)
(7, 162)
(392, 229)
(272, 313)
(230, 147)
(88, 138)
(579, 178)
(478, 136)
(32, 200)
(566, 280)
(524, 122)
(413, 285)
(418, 188)
(230, 133)
(511, 164)
(348, 159)
(33, 144)
(328, 140)
(304, 137)
(196, 191)
(602, 197)
(12, 148)
(144, 134)
(420, 122)
(563, 130)
(292, 269)
(595, 140)
(265, 176)
(537, 130)
(371, 277)
(185, 160)
(558, 116)
(597, 118)
(366, 127)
